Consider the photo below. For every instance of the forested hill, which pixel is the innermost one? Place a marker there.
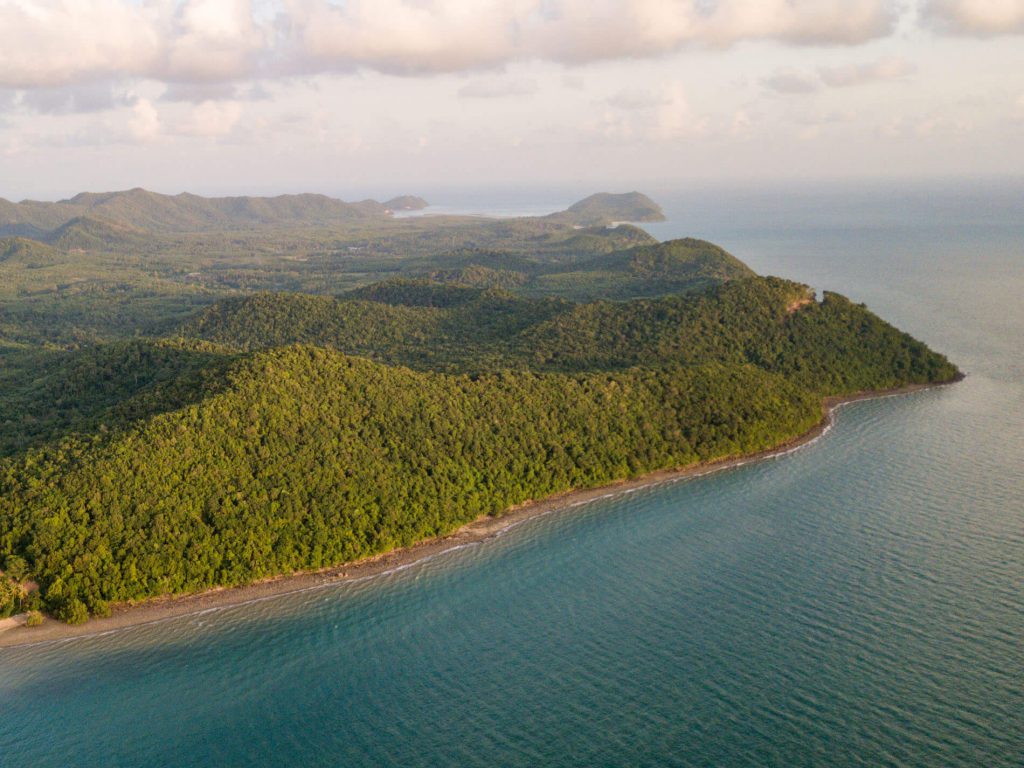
(311, 458)
(605, 208)
(283, 431)
(833, 346)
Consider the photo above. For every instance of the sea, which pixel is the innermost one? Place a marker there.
(858, 602)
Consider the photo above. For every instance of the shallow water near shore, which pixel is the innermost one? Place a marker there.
(859, 601)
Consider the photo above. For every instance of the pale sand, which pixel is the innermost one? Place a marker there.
(160, 609)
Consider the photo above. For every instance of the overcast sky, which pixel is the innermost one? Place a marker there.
(223, 96)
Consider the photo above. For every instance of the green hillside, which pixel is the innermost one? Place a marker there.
(167, 424)
(605, 208)
(833, 346)
(676, 266)
(88, 233)
(25, 252)
(643, 270)
(309, 457)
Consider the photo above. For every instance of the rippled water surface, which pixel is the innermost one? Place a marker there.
(859, 602)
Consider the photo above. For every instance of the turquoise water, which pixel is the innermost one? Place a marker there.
(857, 602)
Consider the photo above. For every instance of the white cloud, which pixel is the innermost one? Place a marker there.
(675, 119)
(144, 124)
(214, 40)
(636, 98)
(976, 17)
(809, 132)
(57, 42)
(892, 68)
(402, 37)
(78, 99)
(668, 118)
(741, 124)
(61, 42)
(573, 82)
(938, 125)
(212, 118)
(806, 22)
(791, 82)
(196, 93)
(497, 88)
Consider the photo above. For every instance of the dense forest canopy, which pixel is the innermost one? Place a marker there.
(206, 411)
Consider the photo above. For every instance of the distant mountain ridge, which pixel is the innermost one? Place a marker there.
(141, 209)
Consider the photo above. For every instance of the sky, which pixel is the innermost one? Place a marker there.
(357, 96)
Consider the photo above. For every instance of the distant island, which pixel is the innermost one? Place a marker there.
(604, 208)
(406, 203)
(199, 393)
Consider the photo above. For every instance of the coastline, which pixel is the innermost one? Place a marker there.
(13, 633)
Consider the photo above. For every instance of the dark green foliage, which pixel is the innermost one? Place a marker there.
(309, 457)
(15, 568)
(476, 276)
(26, 252)
(831, 347)
(417, 293)
(416, 323)
(221, 469)
(74, 611)
(11, 596)
(58, 393)
(358, 326)
(673, 267)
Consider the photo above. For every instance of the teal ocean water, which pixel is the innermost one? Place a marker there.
(857, 602)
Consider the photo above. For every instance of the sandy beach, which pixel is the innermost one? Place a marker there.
(13, 633)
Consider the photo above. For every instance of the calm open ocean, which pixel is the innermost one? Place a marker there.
(859, 602)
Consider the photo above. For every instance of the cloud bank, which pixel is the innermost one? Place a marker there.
(878, 71)
(53, 43)
(981, 18)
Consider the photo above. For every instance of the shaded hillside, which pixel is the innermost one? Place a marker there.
(141, 209)
(86, 390)
(831, 347)
(88, 233)
(675, 266)
(645, 270)
(477, 276)
(26, 252)
(415, 323)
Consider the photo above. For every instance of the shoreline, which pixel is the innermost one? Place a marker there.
(155, 610)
